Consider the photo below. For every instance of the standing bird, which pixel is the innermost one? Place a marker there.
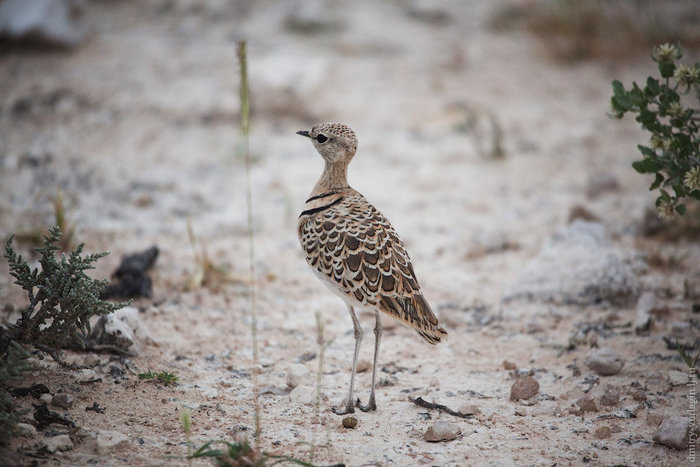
(353, 249)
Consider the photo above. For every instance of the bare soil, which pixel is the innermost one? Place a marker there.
(138, 127)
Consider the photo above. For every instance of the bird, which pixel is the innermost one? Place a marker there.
(356, 253)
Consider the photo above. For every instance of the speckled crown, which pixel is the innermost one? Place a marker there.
(335, 129)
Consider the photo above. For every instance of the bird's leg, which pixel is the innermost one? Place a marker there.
(349, 405)
(372, 405)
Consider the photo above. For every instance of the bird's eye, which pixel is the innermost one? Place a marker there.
(321, 138)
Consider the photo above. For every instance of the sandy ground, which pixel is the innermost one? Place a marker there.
(139, 128)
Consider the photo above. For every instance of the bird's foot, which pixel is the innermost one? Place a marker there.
(371, 405)
(349, 408)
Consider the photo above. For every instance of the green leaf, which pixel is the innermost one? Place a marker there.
(621, 102)
(666, 69)
(646, 166)
(680, 209)
(646, 151)
(657, 182)
(653, 87)
(695, 194)
(646, 117)
(618, 88)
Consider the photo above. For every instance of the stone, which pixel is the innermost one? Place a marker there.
(680, 329)
(520, 411)
(616, 429)
(646, 303)
(48, 22)
(600, 183)
(108, 441)
(442, 431)
(58, 443)
(63, 400)
(653, 419)
(691, 286)
(609, 395)
(26, 430)
(468, 409)
(122, 329)
(509, 365)
(363, 365)
(524, 388)
(578, 265)
(639, 395)
(349, 422)
(673, 432)
(46, 398)
(604, 361)
(603, 432)
(545, 408)
(297, 374)
(677, 378)
(303, 395)
(586, 403)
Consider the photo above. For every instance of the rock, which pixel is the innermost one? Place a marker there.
(122, 329)
(587, 404)
(647, 305)
(509, 365)
(63, 400)
(363, 365)
(47, 22)
(132, 280)
(578, 265)
(303, 395)
(581, 212)
(524, 388)
(677, 378)
(603, 432)
(109, 440)
(680, 329)
(609, 395)
(520, 411)
(601, 183)
(442, 431)
(47, 398)
(468, 409)
(653, 419)
(545, 408)
(26, 430)
(691, 286)
(616, 429)
(297, 374)
(673, 432)
(604, 361)
(349, 422)
(58, 443)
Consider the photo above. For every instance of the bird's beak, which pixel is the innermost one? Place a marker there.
(304, 133)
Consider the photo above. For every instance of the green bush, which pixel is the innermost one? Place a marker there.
(62, 298)
(662, 109)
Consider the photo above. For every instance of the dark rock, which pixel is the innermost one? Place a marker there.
(35, 391)
(131, 275)
(53, 23)
(509, 365)
(349, 422)
(610, 395)
(524, 388)
(587, 404)
(603, 432)
(604, 361)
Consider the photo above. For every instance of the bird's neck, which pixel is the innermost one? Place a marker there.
(333, 178)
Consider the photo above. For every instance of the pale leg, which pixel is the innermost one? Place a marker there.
(372, 405)
(349, 405)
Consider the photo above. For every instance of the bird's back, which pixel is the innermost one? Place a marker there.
(357, 254)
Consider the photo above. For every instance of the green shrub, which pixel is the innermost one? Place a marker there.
(62, 298)
(661, 107)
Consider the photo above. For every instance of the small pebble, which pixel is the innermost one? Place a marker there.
(509, 365)
(363, 365)
(26, 430)
(678, 378)
(610, 395)
(468, 409)
(587, 404)
(603, 432)
(524, 388)
(349, 422)
(109, 440)
(604, 361)
(616, 429)
(62, 400)
(303, 395)
(297, 374)
(46, 398)
(653, 419)
(442, 431)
